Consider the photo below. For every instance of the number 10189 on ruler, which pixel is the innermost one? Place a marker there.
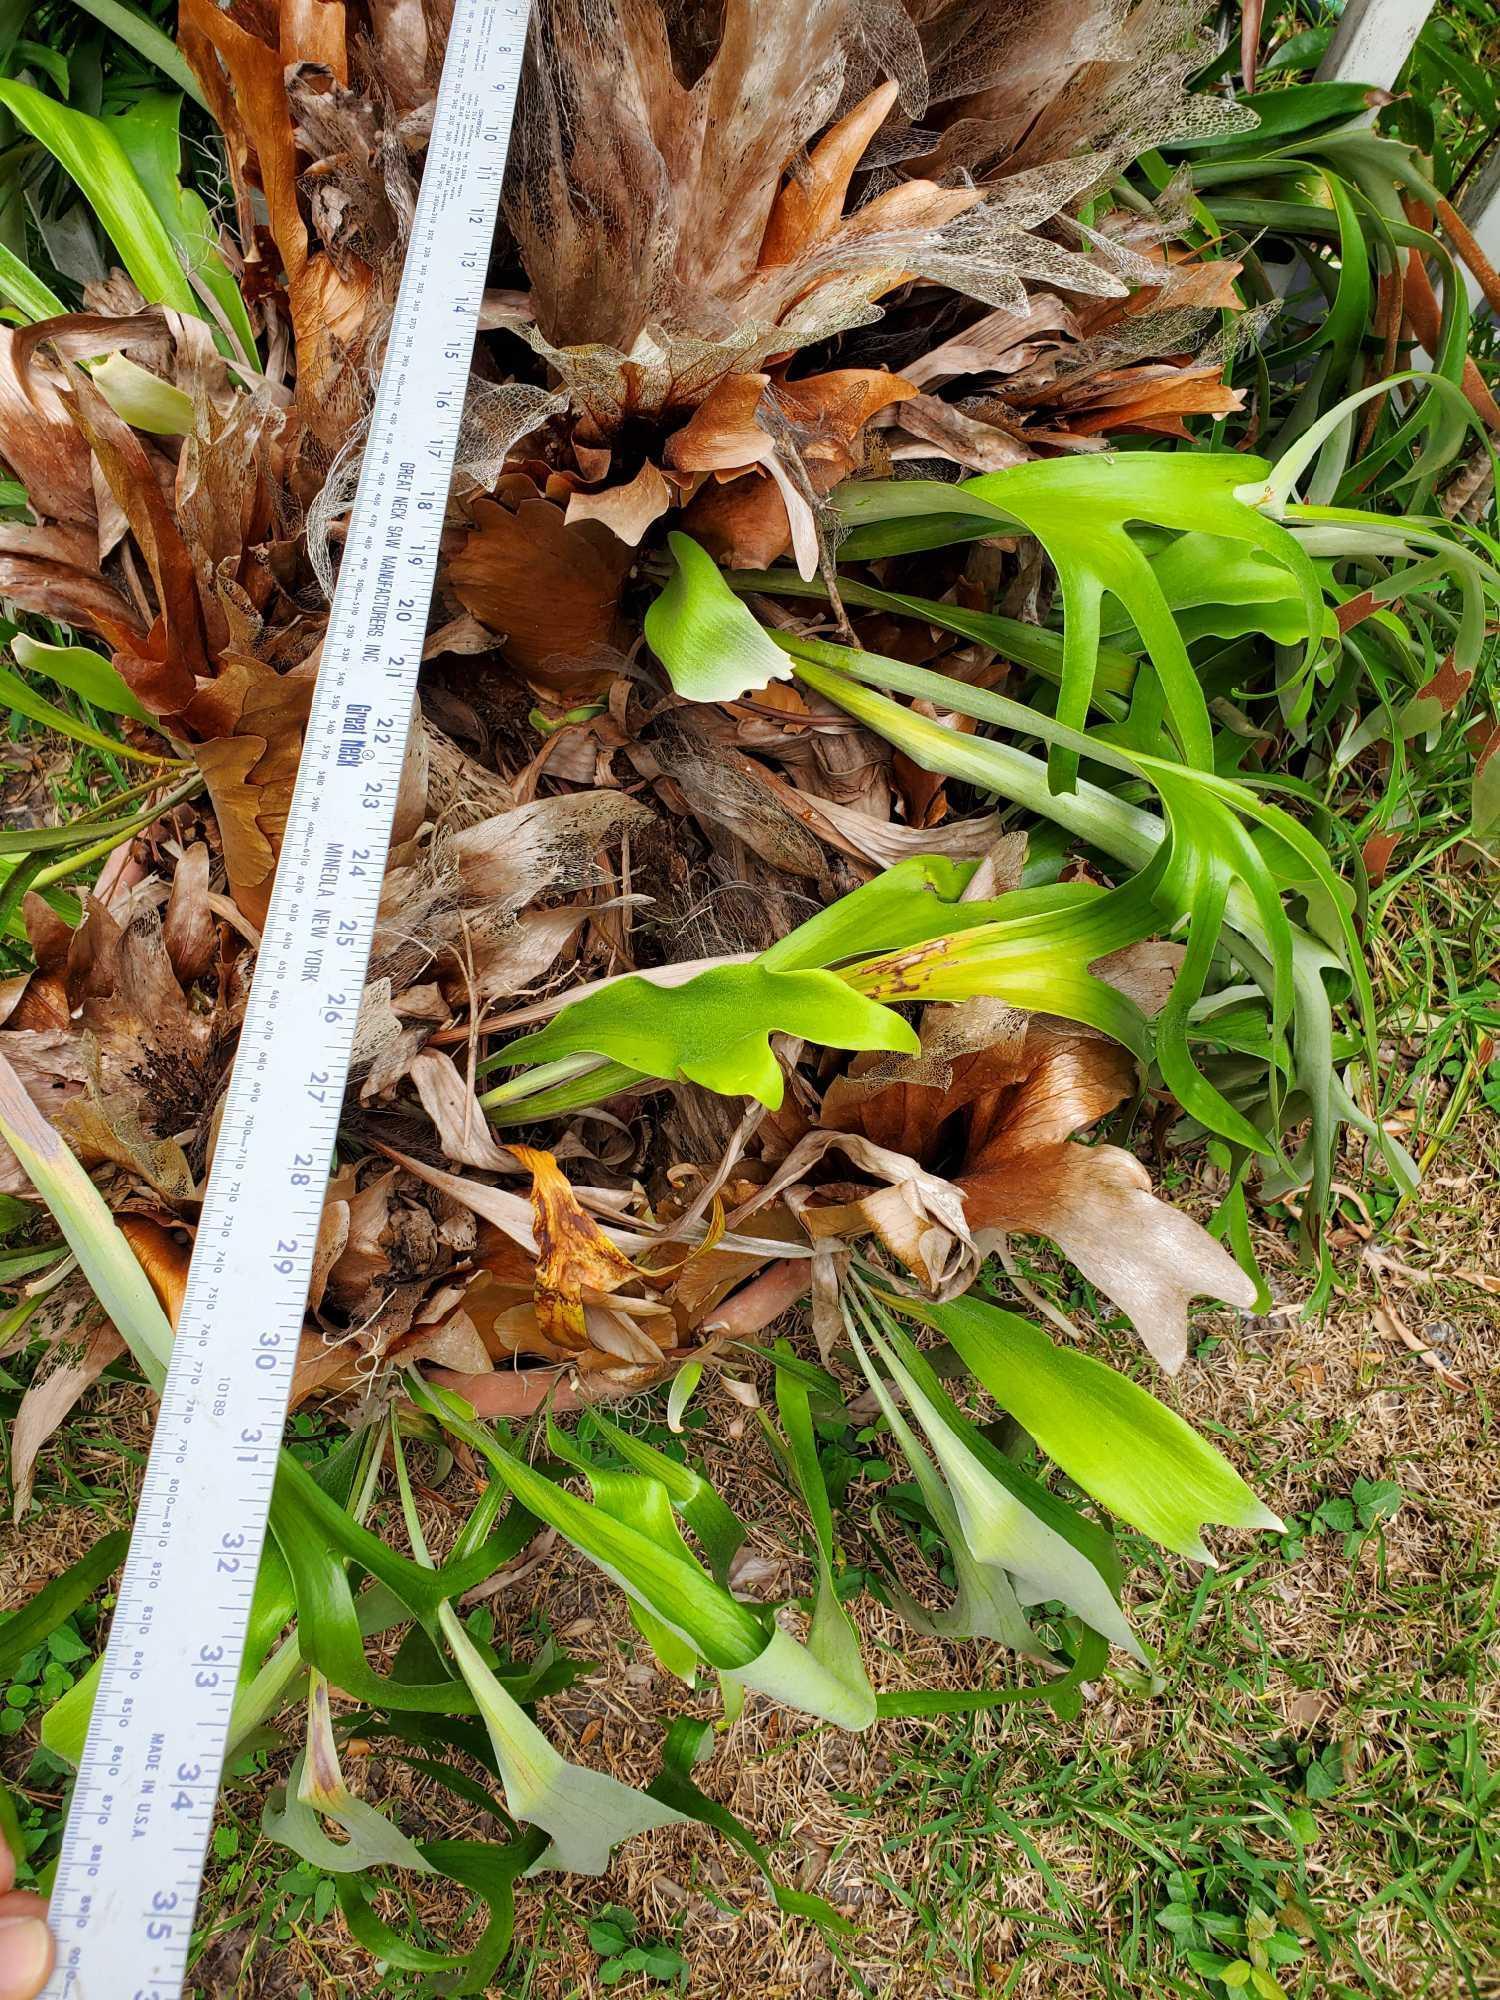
(127, 1881)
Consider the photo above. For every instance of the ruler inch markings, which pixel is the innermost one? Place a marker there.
(128, 1877)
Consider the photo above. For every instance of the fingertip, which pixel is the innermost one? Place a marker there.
(25, 1957)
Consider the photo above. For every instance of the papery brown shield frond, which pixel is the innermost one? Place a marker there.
(313, 31)
(775, 78)
(971, 1057)
(827, 411)
(50, 938)
(744, 524)
(548, 844)
(333, 1238)
(84, 336)
(164, 1255)
(39, 441)
(994, 63)
(453, 1345)
(40, 1001)
(725, 436)
(998, 344)
(1023, 1174)
(522, 953)
(230, 492)
(636, 199)
(733, 793)
(748, 421)
(324, 1369)
(707, 1294)
(811, 202)
(722, 434)
(1066, 80)
(1065, 1081)
(253, 720)
(954, 434)
(1096, 1204)
(64, 545)
(153, 676)
(1198, 282)
(133, 481)
(360, 1271)
(674, 233)
(627, 511)
(189, 929)
(1150, 399)
(76, 1365)
(327, 307)
(1144, 972)
(897, 1218)
(108, 1131)
(916, 1213)
(151, 1061)
(251, 815)
(407, 42)
(1003, 1095)
(551, 590)
(70, 595)
(461, 1125)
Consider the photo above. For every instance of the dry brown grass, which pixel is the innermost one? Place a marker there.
(1014, 1854)
(1010, 1853)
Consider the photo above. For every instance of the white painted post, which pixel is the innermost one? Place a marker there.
(1372, 41)
(1370, 45)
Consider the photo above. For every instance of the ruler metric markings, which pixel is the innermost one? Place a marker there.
(128, 1877)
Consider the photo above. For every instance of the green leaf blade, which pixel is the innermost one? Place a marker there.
(93, 157)
(1110, 1436)
(710, 645)
(715, 1029)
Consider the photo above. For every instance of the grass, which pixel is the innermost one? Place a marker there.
(1311, 1756)
(47, 780)
(1307, 1782)
(1311, 1750)
(1310, 1771)
(1306, 1785)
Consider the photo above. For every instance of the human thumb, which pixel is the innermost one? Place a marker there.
(25, 1956)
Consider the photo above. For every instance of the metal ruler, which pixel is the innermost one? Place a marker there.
(143, 1805)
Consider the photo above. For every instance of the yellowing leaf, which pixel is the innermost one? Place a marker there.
(574, 1256)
